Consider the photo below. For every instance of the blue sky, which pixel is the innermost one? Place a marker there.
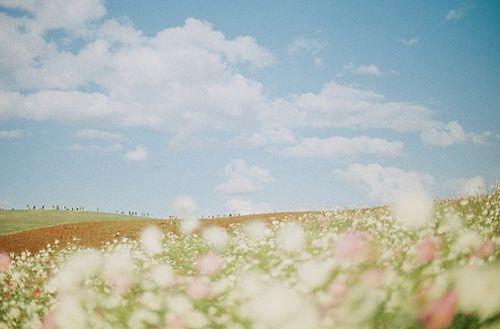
(246, 106)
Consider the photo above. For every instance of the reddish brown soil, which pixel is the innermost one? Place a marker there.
(94, 234)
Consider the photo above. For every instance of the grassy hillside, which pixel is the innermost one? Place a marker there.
(20, 220)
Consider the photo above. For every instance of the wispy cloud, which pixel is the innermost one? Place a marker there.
(96, 134)
(311, 46)
(409, 42)
(11, 133)
(366, 69)
(338, 146)
(140, 153)
(115, 147)
(460, 12)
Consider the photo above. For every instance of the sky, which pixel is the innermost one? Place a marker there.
(246, 106)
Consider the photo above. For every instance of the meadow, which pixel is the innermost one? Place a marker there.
(20, 220)
(364, 268)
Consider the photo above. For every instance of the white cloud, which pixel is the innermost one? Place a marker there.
(311, 46)
(337, 146)
(185, 81)
(243, 178)
(99, 135)
(55, 105)
(409, 42)
(140, 153)
(64, 14)
(182, 141)
(363, 69)
(339, 105)
(459, 13)
(11, 133)
(246, 206)
(110, 148)
(384, 183)
(467, 186)
(266, 136)
(449, 134)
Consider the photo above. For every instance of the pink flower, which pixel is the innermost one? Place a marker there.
(37, 293)
(5, 262)
(440, 313)
(372, 278)
(198, 288)
(338, 291)
(177, 323)
(485, 249)
(122, 284)
(351, 247)
(48, 322)
(209, 263)
(427, 250)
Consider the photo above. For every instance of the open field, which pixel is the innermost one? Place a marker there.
(95, 230)
(21, 220)
(366, 268)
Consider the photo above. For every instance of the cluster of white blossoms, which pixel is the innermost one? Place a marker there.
(367, 268)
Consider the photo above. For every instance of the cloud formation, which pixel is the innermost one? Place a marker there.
(467, 186)
(109, 148)
(310, 46)
(337, 146)
(451, 133)
(16, 133)
(140, 153)
(409, 42)
(363, 69)
(243, 178)
(460, 12)
(384, 183)
(185, 81)
(99, 135)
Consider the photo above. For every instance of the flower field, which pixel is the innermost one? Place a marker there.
(361, 269)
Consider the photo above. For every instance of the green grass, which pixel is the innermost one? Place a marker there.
(20, 220)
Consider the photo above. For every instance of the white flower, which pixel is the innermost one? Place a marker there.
(196, 320)
(280, 307)
(188, 226)
(151, 238)
(412, 208)
(78, 267)
(313, 273)
(256, 230)
(162, 275)
(179, 304)
(141, 316)
(69, 313)
(118, 268)
(360, 305)
(451, 223)
(466, 242)
(290, 237)
(478, 290)
(216, 237)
